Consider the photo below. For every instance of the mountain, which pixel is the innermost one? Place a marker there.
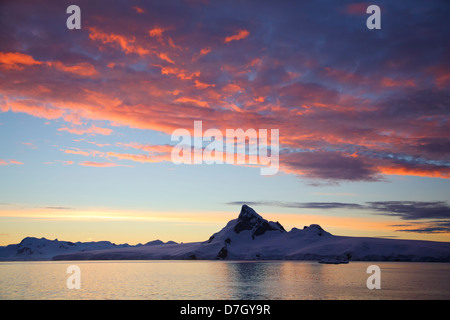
(251, 237)
(31, 248)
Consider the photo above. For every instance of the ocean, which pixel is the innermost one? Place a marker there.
(222, 280)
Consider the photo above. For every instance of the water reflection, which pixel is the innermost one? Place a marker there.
(294, 280)
(263, 280)
(247, 280)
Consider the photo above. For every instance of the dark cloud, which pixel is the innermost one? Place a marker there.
(433, 227)
(327, 165)
(412, 210)
(59, 208)
(303, 205)
(427, 216)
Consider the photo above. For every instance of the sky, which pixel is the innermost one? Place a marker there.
(87, 117)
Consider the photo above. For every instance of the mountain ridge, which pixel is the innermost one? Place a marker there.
(248, 237)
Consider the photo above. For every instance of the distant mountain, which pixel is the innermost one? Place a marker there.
(251, 237)
(248, 237)
(31, 248)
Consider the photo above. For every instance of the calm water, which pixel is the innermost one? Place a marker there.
(222, 280)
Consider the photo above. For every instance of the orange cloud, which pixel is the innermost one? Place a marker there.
(138, 9)
(127, 45)
(147, 147)
(173, 45)
(91, 131)
(242, 34)
(141, 157)
(203, 52)
(99, 144)
(8, 162)
(356, 8)
(232, 88)
(156, 32)
(165, 57)
(16, 60)
(101, 164)
(81, 69)
(83, 153)
(202, 85)
(420, 172)
(179, 73)
(200, 103)
(388, 82)
(34, 108)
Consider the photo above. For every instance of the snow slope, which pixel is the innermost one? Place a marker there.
(248, 237)
(251, 237)
(31, 248)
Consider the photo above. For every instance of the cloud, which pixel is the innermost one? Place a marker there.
(83, 69)
(8, 162)
(242, 34)
(326, 165)
(156, 32)
(424, 216)
(412, 210)
(165, 57)
(126, 44)
(356, 8)
(16, 60)
(138, 9)
(101, 164)
(90, 131)
(406, 210)
(433, 227)
(301, 205)
(35, 108)
(344, 114)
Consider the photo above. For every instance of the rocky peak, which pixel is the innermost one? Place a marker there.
(248, 219)
(315, 229)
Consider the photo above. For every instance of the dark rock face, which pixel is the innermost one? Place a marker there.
(249, 220)
(25, 250)
(223, 253)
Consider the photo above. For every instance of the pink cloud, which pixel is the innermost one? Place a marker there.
(8, 162)
(138, 9)
(242, 34)
(90, 131)
(101, 164)
(356, 8)
(127, 45)
(36, 108)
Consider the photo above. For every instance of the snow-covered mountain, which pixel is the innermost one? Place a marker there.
(31, 248)
(251, 237)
